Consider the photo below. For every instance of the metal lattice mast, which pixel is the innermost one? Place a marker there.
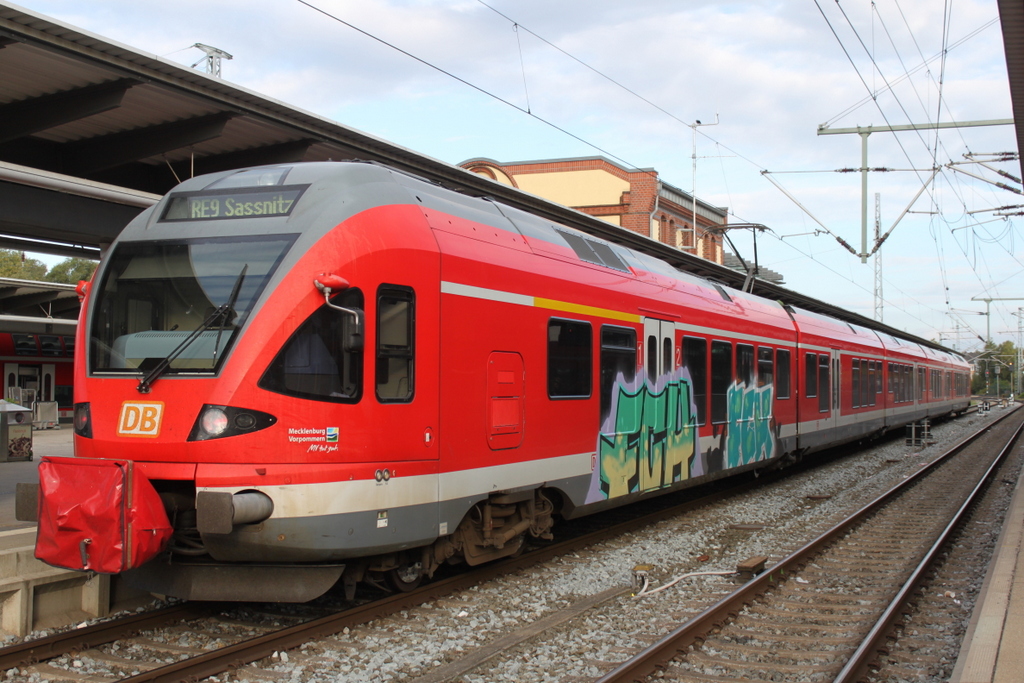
(1020, 350)
(212, 58)
(879, 302)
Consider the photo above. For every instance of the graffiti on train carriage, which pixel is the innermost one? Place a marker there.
(650, 439)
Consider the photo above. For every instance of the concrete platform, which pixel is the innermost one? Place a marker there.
(34, 595)
(992, 650)
(44, 442)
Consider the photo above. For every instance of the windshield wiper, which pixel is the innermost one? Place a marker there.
(221, 311)
(229, 310)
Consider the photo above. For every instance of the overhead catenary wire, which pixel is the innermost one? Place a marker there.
(888, 86)
(909, 72)
(470, 84)
(932, 148)
(529, 111)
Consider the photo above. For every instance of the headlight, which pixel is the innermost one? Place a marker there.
(213, 421)
(217, 422)
(83, 420)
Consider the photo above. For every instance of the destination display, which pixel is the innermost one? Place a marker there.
(238, 204)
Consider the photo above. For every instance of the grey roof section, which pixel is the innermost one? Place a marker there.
(24, 300)
(1011, 17)
(80, 105)
(731, 260)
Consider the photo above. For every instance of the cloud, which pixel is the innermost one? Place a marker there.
(771, 70)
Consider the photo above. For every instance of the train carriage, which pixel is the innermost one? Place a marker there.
(294, 374)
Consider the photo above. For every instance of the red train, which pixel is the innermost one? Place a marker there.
(298, 374)
(38, 367)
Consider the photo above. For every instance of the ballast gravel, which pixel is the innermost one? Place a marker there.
(412, 644)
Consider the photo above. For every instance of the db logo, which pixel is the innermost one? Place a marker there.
(140, 419)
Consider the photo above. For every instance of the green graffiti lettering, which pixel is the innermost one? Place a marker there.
(749, 435)
(649, 440)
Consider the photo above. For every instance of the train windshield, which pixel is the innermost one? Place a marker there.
(178, 305)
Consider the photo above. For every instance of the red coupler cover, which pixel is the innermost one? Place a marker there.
(100, 515)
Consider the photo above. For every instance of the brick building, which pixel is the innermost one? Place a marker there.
(635, 199)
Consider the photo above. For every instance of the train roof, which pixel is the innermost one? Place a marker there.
(378, 183)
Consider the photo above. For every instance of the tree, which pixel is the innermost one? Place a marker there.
(997, 369)
(14, 264)
(70, 271)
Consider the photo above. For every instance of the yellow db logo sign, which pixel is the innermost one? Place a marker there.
(140, 419)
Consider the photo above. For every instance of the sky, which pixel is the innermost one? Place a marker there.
(526, 80)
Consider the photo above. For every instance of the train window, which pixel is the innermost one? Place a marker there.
(180, 304)
(745, 364)
(667, 355)
(811, 375)
(569, 366)
(652, 359)
(920, 384)
(64, 396)
(765, 366)
(396, 324)
(863, 392)
(721, 380)
(695, 358)
(855, 376)
(323, 360)
(618, 363)
(782, 374)
(25, 344)
(869, 388)
(49, 345)
(69, 345)
(824, 402)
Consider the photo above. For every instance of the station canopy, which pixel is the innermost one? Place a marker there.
(94, 131)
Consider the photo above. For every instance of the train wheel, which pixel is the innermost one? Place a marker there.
(405, 578)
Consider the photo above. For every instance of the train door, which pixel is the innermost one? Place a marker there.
(662, 459)
(659, 349)
(46, 389)
(22, 383)
(10, 379)
(833, 420)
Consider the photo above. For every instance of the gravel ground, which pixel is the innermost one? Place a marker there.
(421, 640)
(414, 643)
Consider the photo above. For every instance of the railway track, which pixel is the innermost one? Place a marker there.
(388, 614)
(824, 612)
(111, 641)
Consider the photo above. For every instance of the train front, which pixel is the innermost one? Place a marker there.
(220, 350)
